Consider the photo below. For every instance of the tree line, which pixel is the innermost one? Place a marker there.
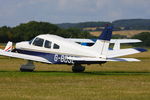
(133, 24)
(27, 31)
(82, 25)
(123, 24)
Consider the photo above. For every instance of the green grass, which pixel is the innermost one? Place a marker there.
(112, 81)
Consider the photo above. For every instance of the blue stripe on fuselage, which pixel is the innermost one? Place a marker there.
(56, 58)
(53, 58)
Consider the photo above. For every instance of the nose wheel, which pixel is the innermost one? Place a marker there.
(28, 67)
(78, 68)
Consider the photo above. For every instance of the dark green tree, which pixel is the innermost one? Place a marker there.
(145, 37)
(29, 30)
(5, 34)
(73, 33)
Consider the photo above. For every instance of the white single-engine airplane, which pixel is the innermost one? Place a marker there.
(53, 49)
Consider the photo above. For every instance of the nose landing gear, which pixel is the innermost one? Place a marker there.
(28, 67)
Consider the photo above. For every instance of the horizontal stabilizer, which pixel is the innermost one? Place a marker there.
(85, 59)
(111, 41)
(124, 52)
(122, 59)
(125, 40)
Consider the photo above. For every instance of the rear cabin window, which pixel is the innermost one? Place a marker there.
(38, 42)
(56, 46)
(47, 44)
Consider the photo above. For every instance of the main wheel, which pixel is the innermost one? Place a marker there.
(78, 68)
(28, 67)
(26, 70)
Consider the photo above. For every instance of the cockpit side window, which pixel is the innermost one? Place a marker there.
(38, 42)
(56, 46)
(47, 44)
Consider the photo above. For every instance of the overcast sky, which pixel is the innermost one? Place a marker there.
(14, 12)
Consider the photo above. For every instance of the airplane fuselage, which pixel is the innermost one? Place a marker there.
(54, 50)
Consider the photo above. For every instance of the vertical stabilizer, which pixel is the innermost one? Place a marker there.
(102, 43)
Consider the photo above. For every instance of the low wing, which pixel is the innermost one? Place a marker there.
(111, 41)
(23, 56)
(123, 59)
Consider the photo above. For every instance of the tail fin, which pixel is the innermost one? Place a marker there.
(8, 47)
(102, 43)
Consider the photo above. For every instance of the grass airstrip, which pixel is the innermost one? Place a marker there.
(112, 81)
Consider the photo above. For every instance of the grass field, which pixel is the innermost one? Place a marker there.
(128, 33)
(112, 81)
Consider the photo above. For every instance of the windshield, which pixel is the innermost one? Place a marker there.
(38, 42)
(31, 41)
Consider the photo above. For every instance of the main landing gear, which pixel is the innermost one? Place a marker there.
(78, 68)
(28, 67)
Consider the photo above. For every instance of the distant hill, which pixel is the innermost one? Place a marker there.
(124, 24)
(133, 24)
(83, 24)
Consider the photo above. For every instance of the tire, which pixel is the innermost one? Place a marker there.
(78, 68)
(26, 70)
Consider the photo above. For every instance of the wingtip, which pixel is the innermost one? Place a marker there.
(141, 49)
